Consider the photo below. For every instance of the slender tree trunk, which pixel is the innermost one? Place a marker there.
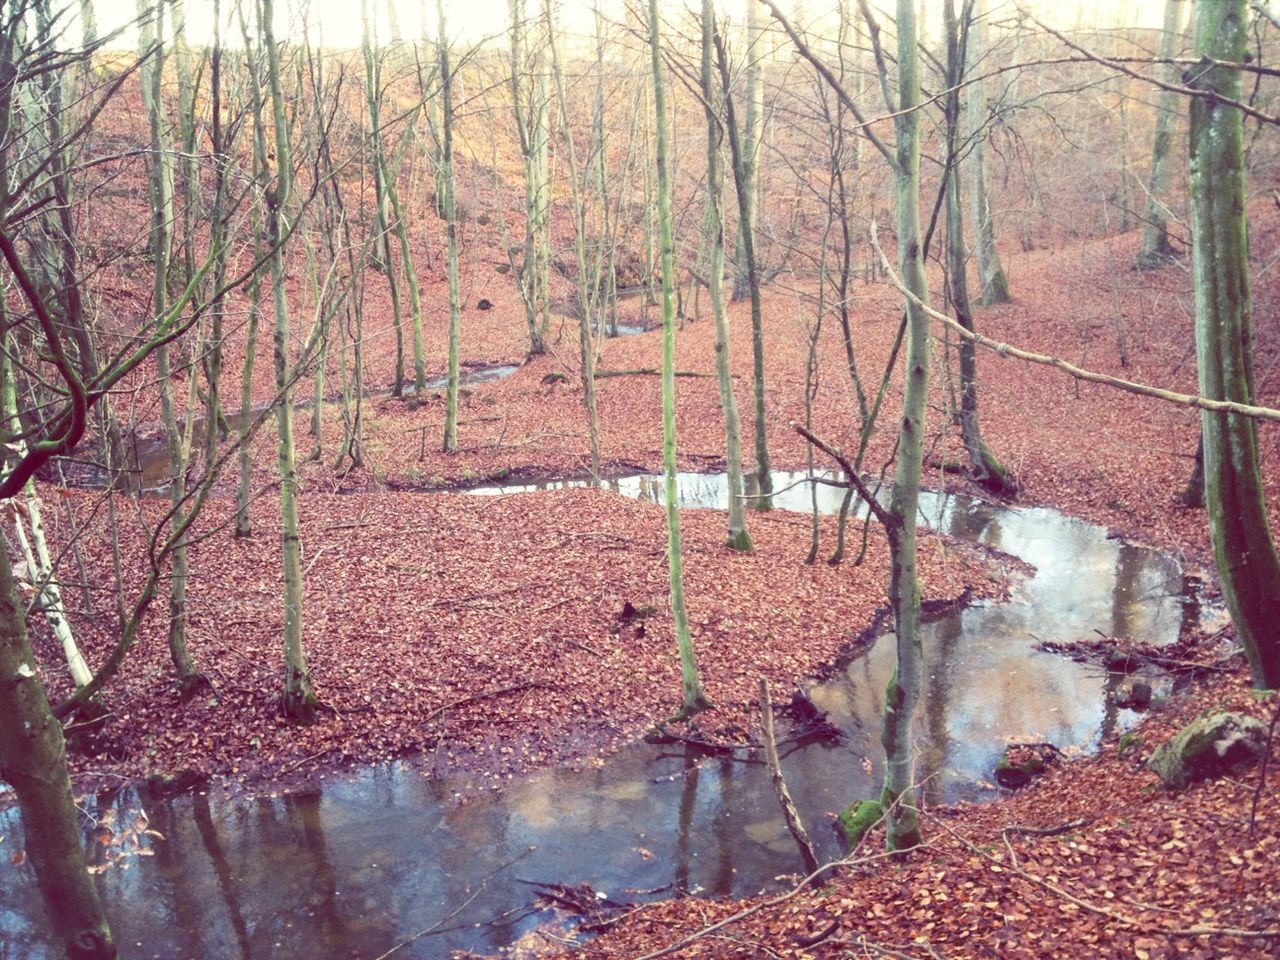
(898, 797)
(1244, 551)
(451, 232)
(244, 490)
(694, 698)
(531, 126)
(995, 286)
(299, 701)
(987, 470)
(160, 191)
(587, 295)
(738, 538)
(763, 472)
(1156, 248)
(752, 127)
(382, 201)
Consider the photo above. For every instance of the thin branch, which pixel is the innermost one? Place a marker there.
(881, 514)
(1089, 376)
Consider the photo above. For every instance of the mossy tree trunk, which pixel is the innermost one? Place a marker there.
(902, 822)
(33, 762)
(160, 192)
(694, 699)
(738, 538)
(299, 700)
(1244, 551)
(382, 201)
(738, 153)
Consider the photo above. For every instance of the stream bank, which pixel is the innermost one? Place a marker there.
(371, 857)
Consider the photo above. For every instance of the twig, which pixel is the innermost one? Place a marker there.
(648, 372)
(789, 812)
(881, 514)
(497, 692)
(462, 906)
(315, 756)
(1089, 376)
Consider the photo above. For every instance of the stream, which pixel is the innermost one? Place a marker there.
(360, 862)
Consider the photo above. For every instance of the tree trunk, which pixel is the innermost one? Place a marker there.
(160, 192)
(299, 701)
(749, 186)
(587, 289)
(738, 537)
(995, 287)
(986, 469)
(35, 550)
(694, 699)
(898, 797)
(1156, 248)
(737, 150)
(1245, 554)
(382, 203)
(451, 232)
(33, 761)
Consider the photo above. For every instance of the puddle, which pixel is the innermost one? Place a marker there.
(361, 864)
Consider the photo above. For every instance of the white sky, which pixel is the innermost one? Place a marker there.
(473, 20)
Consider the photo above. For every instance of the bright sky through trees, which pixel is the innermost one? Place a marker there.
(474, 20)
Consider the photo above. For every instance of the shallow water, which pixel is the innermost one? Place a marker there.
(366, 861)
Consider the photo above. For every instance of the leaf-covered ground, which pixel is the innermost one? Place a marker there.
(484, 633)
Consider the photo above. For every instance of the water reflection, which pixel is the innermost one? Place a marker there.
(355, 867)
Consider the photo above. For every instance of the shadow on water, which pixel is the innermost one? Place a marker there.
(355, 866)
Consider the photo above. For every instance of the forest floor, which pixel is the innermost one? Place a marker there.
(487, 634)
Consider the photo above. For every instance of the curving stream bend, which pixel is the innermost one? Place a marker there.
(359, 865)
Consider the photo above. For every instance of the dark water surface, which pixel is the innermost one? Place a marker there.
(363, 862)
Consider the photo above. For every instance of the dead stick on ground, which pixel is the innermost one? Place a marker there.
(789, 811)
(497, 692)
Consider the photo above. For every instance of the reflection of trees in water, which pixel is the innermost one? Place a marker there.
(944, 636)
(478, 832)
(322, 902)
(688, 801)
(188, 913)
(1190, 595)
(1125, 593)
(221, 869)
(971, 521)
(722, 829)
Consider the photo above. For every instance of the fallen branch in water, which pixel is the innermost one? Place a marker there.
(789, 812)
